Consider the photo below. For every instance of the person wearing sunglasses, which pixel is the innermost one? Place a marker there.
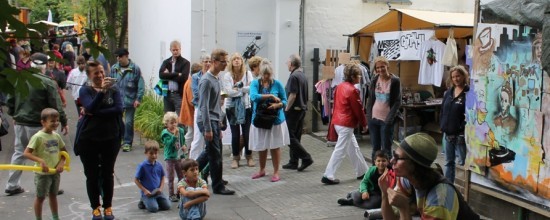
(411, 162)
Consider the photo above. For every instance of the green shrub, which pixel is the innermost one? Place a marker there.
(148, 117)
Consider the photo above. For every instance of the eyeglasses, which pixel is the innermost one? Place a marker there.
(396, 158)
(222, 61)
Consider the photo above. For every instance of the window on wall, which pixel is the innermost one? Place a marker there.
(408, 2)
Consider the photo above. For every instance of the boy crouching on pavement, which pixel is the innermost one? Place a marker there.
(193, 191)
(369, 195)
(150, 180)
(44, 148)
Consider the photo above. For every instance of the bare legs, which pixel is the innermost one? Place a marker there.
(275, 159)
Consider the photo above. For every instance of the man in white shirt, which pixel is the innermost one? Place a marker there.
(77, 78)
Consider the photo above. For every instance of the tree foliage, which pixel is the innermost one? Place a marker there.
(11, 81)
(61, 9)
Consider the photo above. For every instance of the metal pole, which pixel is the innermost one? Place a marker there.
(315, 96)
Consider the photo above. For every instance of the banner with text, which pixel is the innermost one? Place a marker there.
(401, 45)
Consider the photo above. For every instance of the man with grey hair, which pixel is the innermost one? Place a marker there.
(25, 111)
(173, 72)
(295, 112)
(197, 145)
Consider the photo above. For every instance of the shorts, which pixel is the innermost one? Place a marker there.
(46, 184)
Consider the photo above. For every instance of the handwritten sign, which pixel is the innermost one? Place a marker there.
(401, 45)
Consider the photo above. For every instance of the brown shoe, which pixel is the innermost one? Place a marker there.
(249, 161)
(235, 162)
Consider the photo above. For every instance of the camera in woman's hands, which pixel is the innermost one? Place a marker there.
(238, 85)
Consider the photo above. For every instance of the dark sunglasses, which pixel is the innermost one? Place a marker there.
(397, 158)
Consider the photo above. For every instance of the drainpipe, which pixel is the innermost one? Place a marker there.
(203, 11)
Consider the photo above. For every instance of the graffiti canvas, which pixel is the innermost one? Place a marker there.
(504, 113)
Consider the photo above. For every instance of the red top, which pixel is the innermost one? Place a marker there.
(348, 111)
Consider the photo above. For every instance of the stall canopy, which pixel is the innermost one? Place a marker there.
(462, 23)
(407, 19)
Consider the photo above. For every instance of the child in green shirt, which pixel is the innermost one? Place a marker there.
(173, 138)
(369, 195)
(44, 148)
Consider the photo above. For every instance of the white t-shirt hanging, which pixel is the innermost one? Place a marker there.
(431, 67)
(338, 75)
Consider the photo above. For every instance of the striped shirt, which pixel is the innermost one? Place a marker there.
(440, 203)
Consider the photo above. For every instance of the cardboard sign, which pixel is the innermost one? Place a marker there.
(327, 72)
(344, 58)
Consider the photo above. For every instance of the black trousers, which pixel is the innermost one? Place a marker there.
(295, 123)
(212, 155)
(98, 159)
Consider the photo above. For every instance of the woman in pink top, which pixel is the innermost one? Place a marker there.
(25, 61)
(383, 106)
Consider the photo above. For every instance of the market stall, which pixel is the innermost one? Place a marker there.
(399, 35)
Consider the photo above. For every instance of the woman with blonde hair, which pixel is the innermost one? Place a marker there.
(236, 84)
(69, 57)
(383, 106)
(452, 119)
(268, 95)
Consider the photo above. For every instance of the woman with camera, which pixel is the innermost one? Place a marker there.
(98, 136)
(269, 130)
(236, 84)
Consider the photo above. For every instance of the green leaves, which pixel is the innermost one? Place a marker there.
(149, 115)
(13, 82)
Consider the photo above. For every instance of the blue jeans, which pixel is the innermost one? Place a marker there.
(455, 147)
(381, 135)
(197, 211)
(236, 133)
(156, 203)
(212, 155)
(129, 113)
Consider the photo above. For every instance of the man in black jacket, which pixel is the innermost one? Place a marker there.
(174, 71)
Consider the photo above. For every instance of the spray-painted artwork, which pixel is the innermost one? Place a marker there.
(505, 124)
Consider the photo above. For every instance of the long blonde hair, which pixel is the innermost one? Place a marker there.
(241, 69)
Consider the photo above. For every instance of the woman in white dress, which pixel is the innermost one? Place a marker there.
(269, 93)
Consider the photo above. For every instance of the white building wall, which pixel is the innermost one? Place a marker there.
(203, 25)
(152, 26)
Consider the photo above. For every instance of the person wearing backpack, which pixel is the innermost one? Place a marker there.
(436, 197)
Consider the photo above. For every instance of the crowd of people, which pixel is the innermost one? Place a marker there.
(200, 100)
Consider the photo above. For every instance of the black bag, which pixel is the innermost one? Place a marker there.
(264, 117)
(464, 210)
(4, 124)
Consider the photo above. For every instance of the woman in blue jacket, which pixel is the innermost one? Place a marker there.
(452, 119)
(268, 93)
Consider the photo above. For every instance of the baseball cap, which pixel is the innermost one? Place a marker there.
(39, 58)
(121, 52)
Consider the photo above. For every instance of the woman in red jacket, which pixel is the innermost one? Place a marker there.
(348, 113)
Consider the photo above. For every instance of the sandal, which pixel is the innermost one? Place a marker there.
(258, 175)
(275, 178)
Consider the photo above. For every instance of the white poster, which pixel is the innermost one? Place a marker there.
(250, 43)
(401, 45)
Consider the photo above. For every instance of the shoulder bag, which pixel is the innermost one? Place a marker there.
(265, 118)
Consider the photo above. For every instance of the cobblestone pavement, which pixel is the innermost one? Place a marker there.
(298, 195)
